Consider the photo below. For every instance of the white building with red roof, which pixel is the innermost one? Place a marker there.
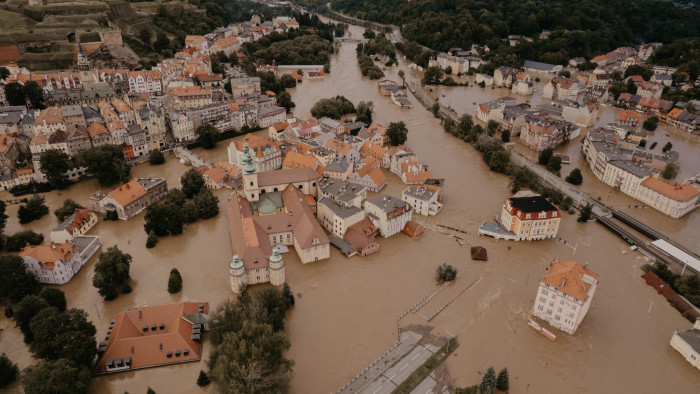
(565, 294)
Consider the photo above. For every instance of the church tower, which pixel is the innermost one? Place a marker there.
(276, 268)
(250, 178)
(236, 273)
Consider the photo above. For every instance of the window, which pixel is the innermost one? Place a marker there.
(573, 307)
(562, 302)
(549, 311)
(545, 292)
(557, 318)
(559, 310)
(542, 299)
(540, 308)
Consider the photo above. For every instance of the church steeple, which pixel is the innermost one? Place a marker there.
(248, 165)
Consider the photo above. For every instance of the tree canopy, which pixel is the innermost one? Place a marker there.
(69, 206)
(397, 133)
(34, 208)
(17, 241)
(111, 270)
(54, 164)
(17, 281)
(68, 335)
(61, 376)
(192, 183)
(333, 108)
(208, 135)
(107, 164)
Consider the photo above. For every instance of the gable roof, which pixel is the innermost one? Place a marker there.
(570, 277)
(128, 193)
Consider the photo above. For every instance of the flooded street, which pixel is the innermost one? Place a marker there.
(346, 314)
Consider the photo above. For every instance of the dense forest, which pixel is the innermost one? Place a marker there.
(579, 27)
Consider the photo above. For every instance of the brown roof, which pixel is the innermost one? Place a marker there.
(216, 174)
(678, 191)
(562, 82)
(128, 193)
(307, 229)
(58, 137)
(39, 139)
(280, 126)
(361, 234)
(248, 240)
(286, 176)
(97, 128)
(148, 347)
(567, 277)
(51, 115)
(80, 216)
(49, 254)
(76, 131)
(298, 160)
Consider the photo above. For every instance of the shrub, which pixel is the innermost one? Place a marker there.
(446, 273)
(174, 281)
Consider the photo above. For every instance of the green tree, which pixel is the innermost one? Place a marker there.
(174, 281)
(565, 73)
(35, 94)
(111, 270)
(208, 135)
(251, 360)
(17, 281)
(284, 99)
(651, 123)
(126, 288)
(162, 42)
(33, 209)
(502, 382)
(156, 157)
(575, 177)
(69, 206)
(491, 127)
(333, 108)
(653, 145)
(364, 112)
(163, 219)
(638, 69)
(29, 307)
(397, 133)
(488, 382)
(287, 294)
(499, 161)
(107, 164)
(544, 156)
(448, 70)
(402, 75)
(145, 36)
(432, 76)
(8, 370)
(3, 220)
(68, 335)
(189, 212)
(203, 380)
(446, 273)
(54, 297)
(554, 164)
(207, 204)
(435, 109)
(150, 390)
(192, 183)
(642, 143)
(287, 81)
(175, 196)
(505, 136)
(585, 214)
(15, 95)
(152, 240)
(4, 73)
(62, 376)
(17, 241)
(667, 147)
(54, 164)
(670, 171)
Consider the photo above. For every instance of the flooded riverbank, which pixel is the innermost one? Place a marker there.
(346, 315)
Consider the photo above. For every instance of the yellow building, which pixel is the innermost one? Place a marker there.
(530, 218)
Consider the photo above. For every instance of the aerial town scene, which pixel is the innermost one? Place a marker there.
(349, 196)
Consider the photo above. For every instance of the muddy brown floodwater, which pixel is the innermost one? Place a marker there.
(346, 314)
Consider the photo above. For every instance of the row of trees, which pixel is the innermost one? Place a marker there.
(489, 383)
(22, 94)
(63, 340)
(250, 343)
(367, 66)
(169, 216)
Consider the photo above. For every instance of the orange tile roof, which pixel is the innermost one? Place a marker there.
(114, 126)
(678, 191)
(377, 176)
(49, 254)
(148, 347)
(80, 216)
(338, 146)
(51, 115)
(567, 277)
(96, 129)
(627, 115)
(128, 193)
(25, 171)
(216, 174)
(280, 126)
(256, 144)
(181, 91)
(298, 160)
(372, 150)
(674, 113)
(39, 139)
(228, 167)
(225, 42)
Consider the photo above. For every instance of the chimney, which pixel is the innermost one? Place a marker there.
(563, 281)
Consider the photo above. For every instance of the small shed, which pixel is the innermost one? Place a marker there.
(479, 253)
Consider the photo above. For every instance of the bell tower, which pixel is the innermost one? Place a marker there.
(236, 273)
(276, 268)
